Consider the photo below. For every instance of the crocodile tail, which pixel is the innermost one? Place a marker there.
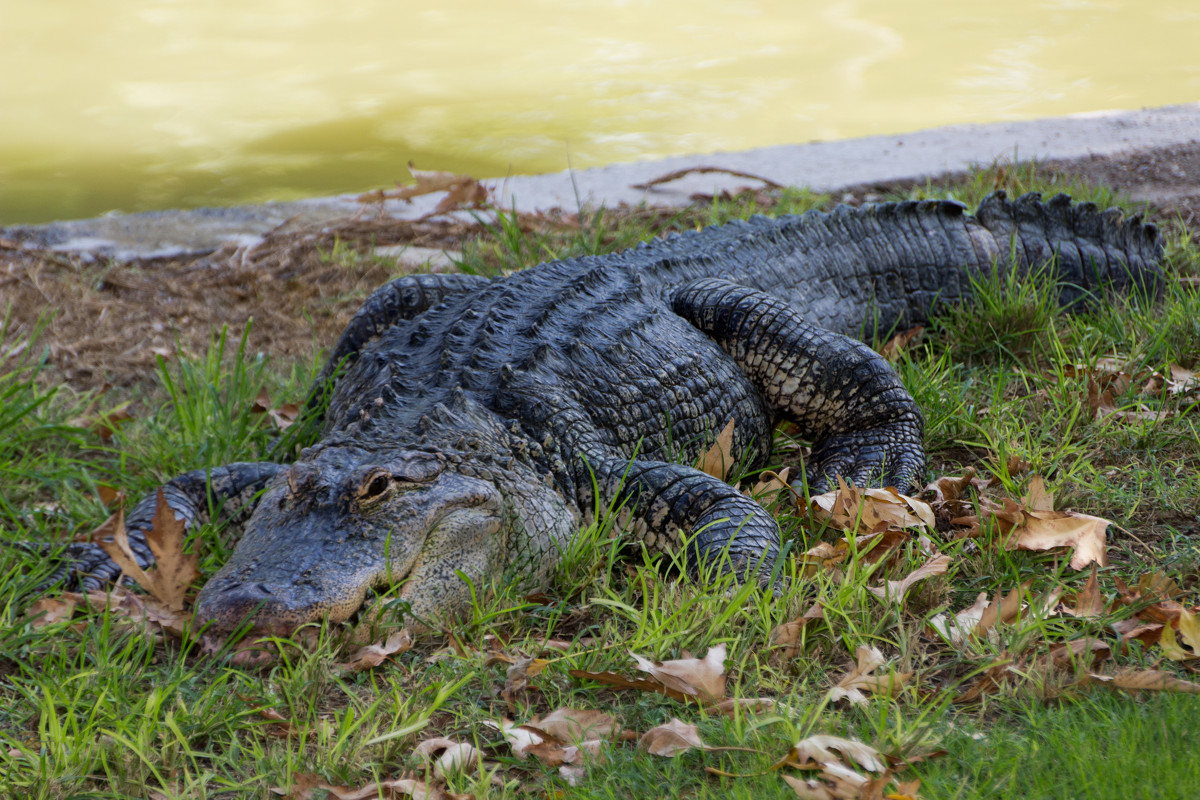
(1092, 251)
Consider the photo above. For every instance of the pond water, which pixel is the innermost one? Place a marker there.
(145, 104)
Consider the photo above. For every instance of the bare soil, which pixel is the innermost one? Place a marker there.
(109, 322)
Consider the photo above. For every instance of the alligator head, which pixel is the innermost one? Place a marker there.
(344, 521)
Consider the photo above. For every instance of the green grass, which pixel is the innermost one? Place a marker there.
(93, 708)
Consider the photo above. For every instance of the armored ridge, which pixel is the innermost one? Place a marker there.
(475, 425)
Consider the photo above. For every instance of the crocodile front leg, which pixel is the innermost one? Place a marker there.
(847, 399)
(669, 504)
(192, 496)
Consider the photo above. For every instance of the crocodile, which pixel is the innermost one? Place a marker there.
(470, 427)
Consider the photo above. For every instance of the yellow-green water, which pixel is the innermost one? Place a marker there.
(143, 104)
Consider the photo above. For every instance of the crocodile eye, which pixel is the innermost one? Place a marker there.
(374, 488)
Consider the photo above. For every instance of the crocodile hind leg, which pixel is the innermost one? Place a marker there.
(848, 401)
(192, 496)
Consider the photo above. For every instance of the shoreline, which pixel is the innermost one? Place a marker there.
(827, 167)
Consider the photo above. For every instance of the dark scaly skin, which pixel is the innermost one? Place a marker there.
(476, 425)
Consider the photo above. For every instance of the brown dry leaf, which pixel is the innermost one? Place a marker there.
(1147, 633)
(621, 682)
(1102, 404)
(1182, 381)
(173, 571)
(373, 655)
(671, 738)
(905, 790)
(1149, 680)
(852, 509)
(820, 749)
(961, 626)
(282, 417)
(1004, 608)
(823, 556)
(896, 590)
(786, 637)
(859, 680)
(1089, 603)
(49, 610)
(754, 705)
(1045, 530)
(1037, 497)
(150, 614)
(812, 789)
(389, 790)
(578, 725)
(520, 737)
(718, 460)
(990, 681)
(103, 424)
(770, 485)
(949, 488)
(701, 678)
(280, 726)
(448, 755)
(467, 193)
(1086, 649)
(896, 345)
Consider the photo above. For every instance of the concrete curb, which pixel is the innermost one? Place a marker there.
(822, 166)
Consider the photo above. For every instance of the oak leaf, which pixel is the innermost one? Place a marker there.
(671, 738)
(718, 459)
(897, 589)
(701, 678)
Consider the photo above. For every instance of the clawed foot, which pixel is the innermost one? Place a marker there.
(886, 456)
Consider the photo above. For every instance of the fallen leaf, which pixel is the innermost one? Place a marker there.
(896, 590)
(1044, 530)
(578, 725)
(1087, 649)
(1103, 405)
(1148, 679)
(718, 460)
(1004, 608)
(520, 737)
(396, 788)
(853, 509)
(49, 610)
(618, 681)
(702, 678)
(373, 655)
(1189, 629)
(173, 571)
(1088, 602)
(1037, 498)
(860, 679)
(448, 755)
(819, 749)
(770, 485)
(671, 738)
(897, 344)
(957, 629)
(786, 637)
(755, 705)
(811, 789)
